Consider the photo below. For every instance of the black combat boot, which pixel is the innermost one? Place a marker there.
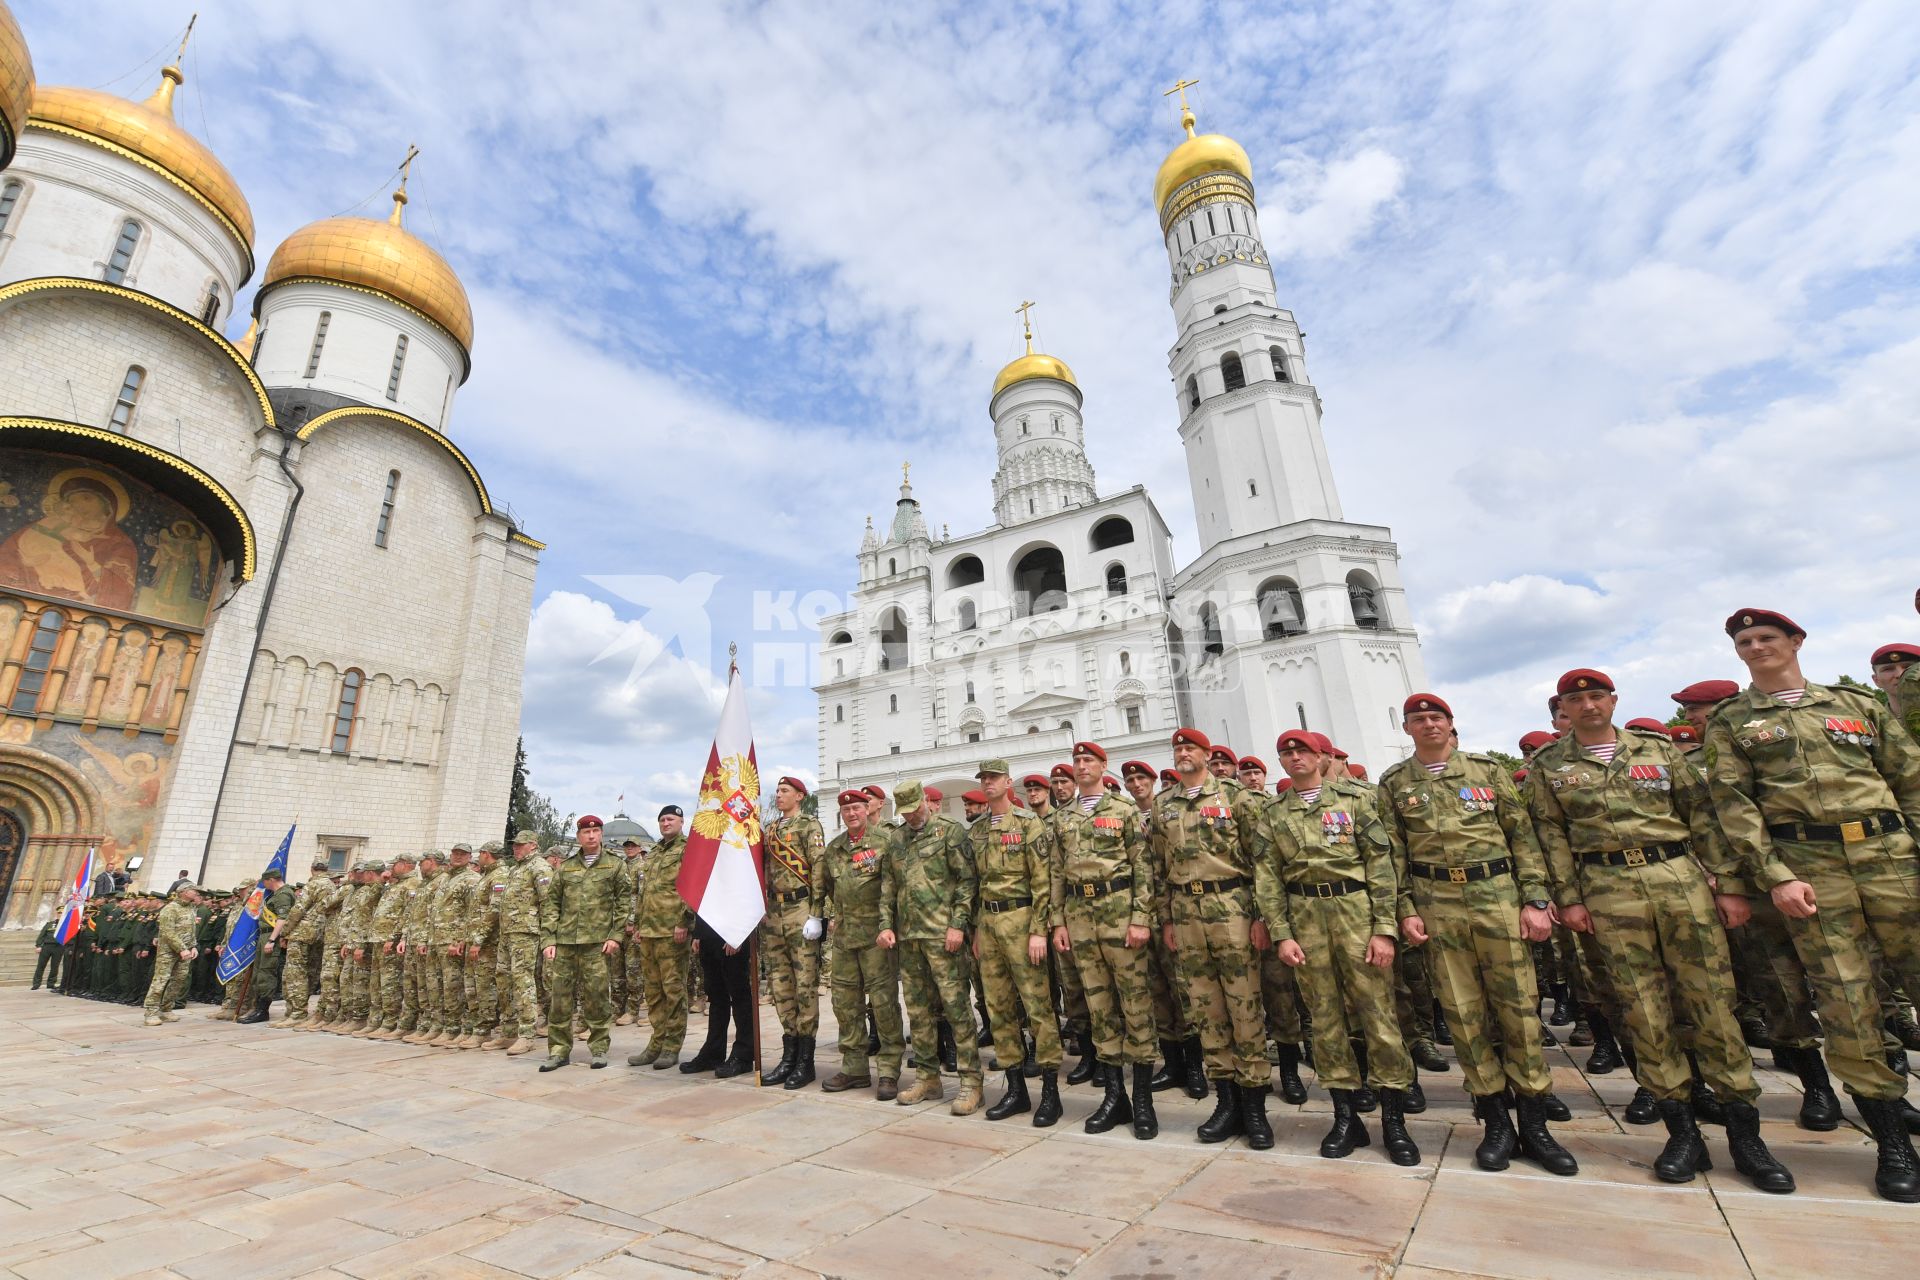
(1393, 1129)
(711, 1055)
(1903, 1027)
(1145, 1123)
(1898, 1175)
(1536, 1144)
(1047, 1114)
(1548, 1040)
(1168, 1076)
(1225, 1121)
(1644, 1109)
(789, 1046)
(1426, 1057)
(1582, 1034)
(800, 1074)
(259, 1013)
(1415, 1101)
(1114, 1108)
(1819, 1105)
(1089, 1063)
(1555, 1109)
(1349, 1130)
(945, 1049)
(1498, 1144)
(1253, 1117)
(1686, 1151)
(873, 1036)
(1753, 1029)
(985, 1039)
(1606, 1057)
(1030, 1066)
(1561, 1015)
(1707, 1107)
(1442, 1034)
(1364, 1098)
(1014, 1101)
(1750, 1154)
(1292, 1089)
(1195, 1062)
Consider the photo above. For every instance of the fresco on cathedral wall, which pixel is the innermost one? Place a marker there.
(127, 775)
(75, 529)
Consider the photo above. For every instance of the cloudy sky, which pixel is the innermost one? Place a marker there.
(1613, 307)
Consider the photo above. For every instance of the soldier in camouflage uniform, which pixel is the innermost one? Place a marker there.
(1330, 899)
(175, 951)
(529, 880)
(299, 932)
(1818, 792)
(633, 986)
(452, 908)
(229, 1009)
(865, 975)
(927, 884)
(327, 1010)
(617, 960)
(386, 928)
(1204, 849)
(420, 972)
(662, 930)
(1186, 1067)
(483, 950)
(1618, 814)
(1279, 987)
(1068, 993)
(1104, 911)
(356, 974)
(790, 937)
(1014, 869)
(1473, 893)
(588, 907)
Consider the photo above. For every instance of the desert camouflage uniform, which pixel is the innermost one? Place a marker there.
(484, 932)
(1337, 842)
(617, 962)
(420, 976)
(635, 1006)
(1835, 759)
(1460, 822)
(452, 910)
(356, 971)
(794, 847)
(383, 938)
(864, 974)
(302, 937)
(177, 925)
(230, 998)
(657, 911)
(332, 938)
(1204, 851)
(1653, 915)
(587, 907)
(1069, 991)
(927, 887)
(1015, 900)
(1102, 886)
(1279, 985)
(529, 880)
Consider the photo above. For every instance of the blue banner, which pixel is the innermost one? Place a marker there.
(244, 944)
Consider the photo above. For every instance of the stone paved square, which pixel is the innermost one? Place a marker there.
(205, 1150)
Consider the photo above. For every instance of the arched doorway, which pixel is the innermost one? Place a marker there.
(57, 813)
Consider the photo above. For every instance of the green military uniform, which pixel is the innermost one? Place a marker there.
(452, 909)
(658, 913)
(300, 934)
(1102, 886)
(1014, 865)
(1204, 850)
(386, 982)
(617, 962)
(356, 976)
(484, 932)
(1279, 985)
(47, 965)
(794, 847)
(1069, 990)
(528, 882)
(588, 905)
(177, 928)
(864, 974)
(927, 889)
(420, 975)
(269, 970)
(230, 1000)
(635, 982)
(1906, 703)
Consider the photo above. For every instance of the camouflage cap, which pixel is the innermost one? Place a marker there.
(492, 846)
(463, 847)
(990, 767)
(432, 855)
(245, 886)
(318, 864)
(398, 858)
(908, 795)
(525, 836)
(376, 865)
(185, 886)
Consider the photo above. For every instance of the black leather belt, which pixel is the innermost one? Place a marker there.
(1878, 824)
(1004, 904)
(1327, 889)
(1644, 856)
(1195, 888)
(1098, 888)
(1463, 875)
(787, 897)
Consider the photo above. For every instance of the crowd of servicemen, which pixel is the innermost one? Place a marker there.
(1682, 894)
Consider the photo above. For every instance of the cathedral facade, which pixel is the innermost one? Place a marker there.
(1067, 617)
(242, 582)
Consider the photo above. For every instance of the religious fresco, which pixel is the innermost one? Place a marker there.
(78, 530)
(127, 777)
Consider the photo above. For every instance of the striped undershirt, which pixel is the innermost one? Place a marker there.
(1437, 768)
(1310, 796)
(1790, 696)
(1087, 803)
(1603, 751)
(1193, 793)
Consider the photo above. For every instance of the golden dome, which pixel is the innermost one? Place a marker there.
(16, 84)
(1034, 364)
(1198, 156)
(381, 256)
(146, 133)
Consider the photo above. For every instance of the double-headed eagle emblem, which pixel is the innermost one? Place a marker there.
(727, 801)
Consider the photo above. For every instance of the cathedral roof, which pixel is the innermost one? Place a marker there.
(1034, 364)
(1198, 156)
(16, 84)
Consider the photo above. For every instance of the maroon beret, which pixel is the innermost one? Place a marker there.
(1357, 771)
(1425, 702)
(1683, 733)
(853, 795)
(1168, 775)
(1297, 740)
(935, 795)
(1280, 787)
(1192, 738)
(1581, 679)
(1110, 782)
(1061, 770)
(1647, 723)
(1706, 693)
(877, 791)
(1253, 762)
(1533, 741)
(795, 783)
(587, 820)
(1742, 619)
(974, 797)
(1093, 749)
(1133, 767)
(1895, 653)
(1034, 780)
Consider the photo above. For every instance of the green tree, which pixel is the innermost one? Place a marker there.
(1872, 691)
(529, 810)
(1510, 762)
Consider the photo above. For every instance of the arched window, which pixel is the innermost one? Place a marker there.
(33, 672)
(1279, 364)
(1116, 579)
(1213, 644)
(969, 691)
(1133, 717)
(893, 565)
(299, 414)
(10, 192)
(1033, 728)
(1193, 393)
(122, 256)
(1231, 374)
(1039, 582)
(1281, 611)
(1068, 726)
(399, 363)
(893, 640)
(966, 571)
(1219, 308)
(347, 715)
(123, 405)
(385, 523)
(839, 667)
(210, 306)
(1023, 426)
(1363, 593)
(1056, 424)
(967, 616)
(893, 703)
(319, 341)
(840, 637)
(1114, 531)
(839, 713)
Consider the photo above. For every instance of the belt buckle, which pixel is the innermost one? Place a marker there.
(1196, 887)
(1457, 874)
(1086, 889)
(1324, 890)
(1636, 857)
(1851, 832)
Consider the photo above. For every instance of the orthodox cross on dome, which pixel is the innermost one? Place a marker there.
(1025, 312)
(171, 75)
(400, 192)
(1186, 112)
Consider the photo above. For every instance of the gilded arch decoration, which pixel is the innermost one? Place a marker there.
(388, 415)
(62, 816)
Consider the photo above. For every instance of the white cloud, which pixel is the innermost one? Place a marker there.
(1319, 208)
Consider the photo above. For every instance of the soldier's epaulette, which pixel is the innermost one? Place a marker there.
(1398, 767)
(1649, 733)
(1481, 757)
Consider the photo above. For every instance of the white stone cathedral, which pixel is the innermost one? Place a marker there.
(1066, 618)
(240, 581)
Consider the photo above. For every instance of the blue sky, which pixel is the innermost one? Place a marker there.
(1612, 307)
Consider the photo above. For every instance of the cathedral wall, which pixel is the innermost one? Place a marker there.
(356, 358)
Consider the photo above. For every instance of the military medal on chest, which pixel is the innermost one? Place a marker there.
(1857, 732)
(1336, 827)
(1649, 777)
(1476, 799)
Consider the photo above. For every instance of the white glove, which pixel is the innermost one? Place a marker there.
(812, 929)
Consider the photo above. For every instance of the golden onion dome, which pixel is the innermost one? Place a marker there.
(1198, 156)
(147, 134)
(16, 84)
(384, 257)
(1034, 364)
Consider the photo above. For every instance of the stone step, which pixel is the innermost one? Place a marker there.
(17, 956)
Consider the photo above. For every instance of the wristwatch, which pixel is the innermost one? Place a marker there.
(1540, 904)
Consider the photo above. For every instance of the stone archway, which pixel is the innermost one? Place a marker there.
(59, 814)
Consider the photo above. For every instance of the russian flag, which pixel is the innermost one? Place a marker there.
(721, 875)
(73, 903)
